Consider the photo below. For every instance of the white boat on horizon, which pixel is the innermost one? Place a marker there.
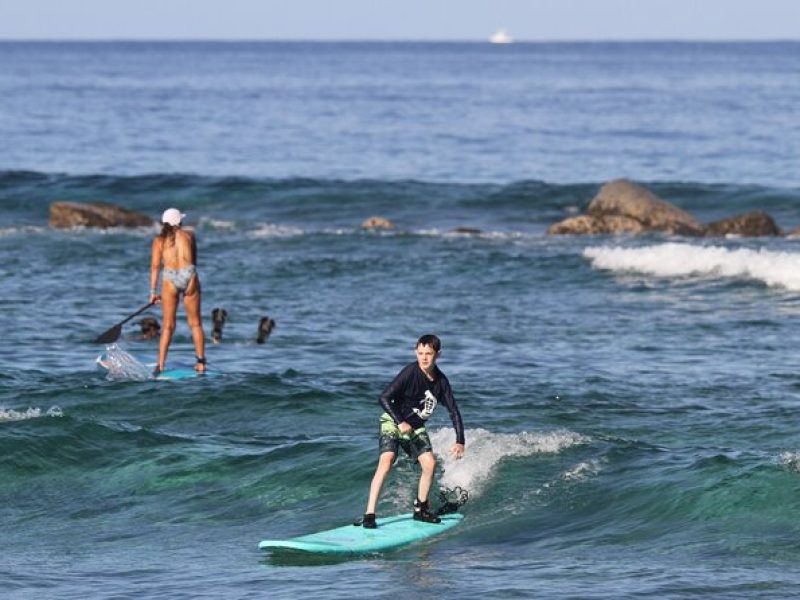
(501, 37)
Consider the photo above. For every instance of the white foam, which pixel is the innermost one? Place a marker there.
(31, 413)
(775, 269)
(486, 449)
(82, 230)
(791, 460)
(477, 234)
(582, 471)
(218, 223)
(24, 229)
(268, 230)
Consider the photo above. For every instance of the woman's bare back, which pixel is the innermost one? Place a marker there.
(181, 253)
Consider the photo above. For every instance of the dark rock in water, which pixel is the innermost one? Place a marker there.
(752, 224)
(64, 215)
(627, 199)
(467, 231)
(622, 206)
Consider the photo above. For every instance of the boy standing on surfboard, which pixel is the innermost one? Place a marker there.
(408, 402)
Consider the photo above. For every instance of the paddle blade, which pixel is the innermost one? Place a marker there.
(110, 336)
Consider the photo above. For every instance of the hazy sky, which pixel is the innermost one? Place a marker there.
(400, 19)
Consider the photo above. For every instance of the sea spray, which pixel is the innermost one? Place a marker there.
(121, 365)
(486, 449)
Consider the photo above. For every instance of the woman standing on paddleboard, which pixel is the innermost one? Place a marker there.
(176, 249)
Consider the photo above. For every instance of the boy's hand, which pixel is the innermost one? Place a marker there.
(457, 450)
(404, 427)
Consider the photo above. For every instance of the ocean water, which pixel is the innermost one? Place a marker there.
(630, 403)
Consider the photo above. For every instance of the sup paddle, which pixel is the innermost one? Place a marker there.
(112, 335)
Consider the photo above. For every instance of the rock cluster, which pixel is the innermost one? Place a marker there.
(622, 206)
(65, 215)
(377, 223)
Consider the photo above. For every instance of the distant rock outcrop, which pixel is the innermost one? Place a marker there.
(466, 231)
(752, 224)
(377, 223)
(64, 215)
(622, 206)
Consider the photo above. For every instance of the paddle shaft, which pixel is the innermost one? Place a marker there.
(138, 312)
(112, 334)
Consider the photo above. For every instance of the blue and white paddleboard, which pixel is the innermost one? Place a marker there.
(183, 373)
(391, 533)
(119, 364)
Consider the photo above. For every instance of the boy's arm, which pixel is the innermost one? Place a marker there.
(393, 390)
(455, 414)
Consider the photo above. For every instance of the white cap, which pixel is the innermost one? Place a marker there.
(172, 216)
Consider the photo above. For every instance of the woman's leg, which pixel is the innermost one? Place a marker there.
(191, 302)
(169, 308)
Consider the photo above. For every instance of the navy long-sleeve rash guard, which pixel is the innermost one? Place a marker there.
(407, 392)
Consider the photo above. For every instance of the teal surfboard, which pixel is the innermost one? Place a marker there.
(392, 532)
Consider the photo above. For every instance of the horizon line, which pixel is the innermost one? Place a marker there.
(397, 40)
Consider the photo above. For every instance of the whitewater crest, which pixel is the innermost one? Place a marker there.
(271, 230)
(774, 269)
(790, 460)
(21, 230)
(31, 413)
(486, 449)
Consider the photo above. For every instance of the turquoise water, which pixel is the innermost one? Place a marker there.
(629, 403)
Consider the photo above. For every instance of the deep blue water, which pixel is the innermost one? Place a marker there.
(630, 403)
(563, 113)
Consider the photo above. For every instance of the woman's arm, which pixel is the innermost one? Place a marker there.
(155, 267)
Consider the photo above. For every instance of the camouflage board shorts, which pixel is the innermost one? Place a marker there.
(414, 444)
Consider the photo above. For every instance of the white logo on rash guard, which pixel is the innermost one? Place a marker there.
(429, 404)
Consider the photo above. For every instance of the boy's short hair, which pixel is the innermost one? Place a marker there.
(430, 340)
